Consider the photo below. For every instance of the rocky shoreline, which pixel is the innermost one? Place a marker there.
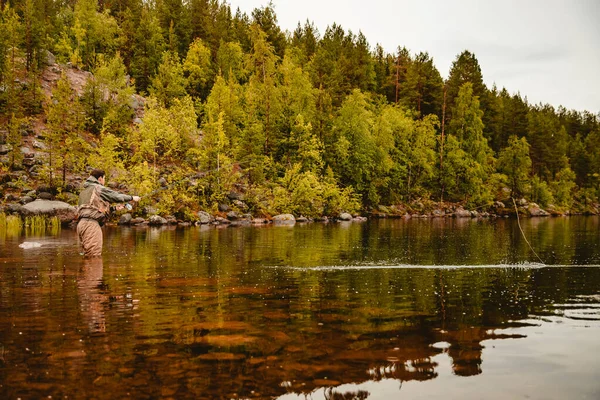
(44, 204)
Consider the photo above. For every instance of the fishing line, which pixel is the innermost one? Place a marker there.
(523, 233)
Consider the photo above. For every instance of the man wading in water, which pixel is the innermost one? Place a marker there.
(94, 209)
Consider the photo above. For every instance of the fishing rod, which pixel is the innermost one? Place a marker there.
(523, 233)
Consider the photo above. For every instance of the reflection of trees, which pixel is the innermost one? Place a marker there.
(210, 313)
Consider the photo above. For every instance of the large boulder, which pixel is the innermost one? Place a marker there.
(125, 219)
(536, 211)
(157, 220)
(204, 217)
(462, 213)
(345, 217)
(64, 211)
(284, 219)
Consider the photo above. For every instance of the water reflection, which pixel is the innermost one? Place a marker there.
(261, 313)
(91, 292)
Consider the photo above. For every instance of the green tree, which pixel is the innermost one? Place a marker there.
(261, 93)
(514, 161)
(169, 82)
(230, 60)
(15, 140)
(12, 62)
(266, 18)
(563, 186)
(356, 156)
(467, 125)
(224, 99)
(64, 120)
(296, 99)
(423, 89)
(94, 33)
(175, 18)
(465, 69)
(592, 147)
(198, 69)
(147, 50)
(548, 140)
(166, 134)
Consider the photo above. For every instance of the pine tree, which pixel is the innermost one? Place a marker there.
(169, 83)
(147, 50)
(198, 69)
(64, 119)
(514, 161)
(548, 140)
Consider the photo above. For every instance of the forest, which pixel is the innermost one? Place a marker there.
(305, 122)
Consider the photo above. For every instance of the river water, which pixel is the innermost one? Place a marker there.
(418, 309)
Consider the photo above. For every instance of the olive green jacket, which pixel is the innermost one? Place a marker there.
(95, 199)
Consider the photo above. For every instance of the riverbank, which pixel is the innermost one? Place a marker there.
(56, 211)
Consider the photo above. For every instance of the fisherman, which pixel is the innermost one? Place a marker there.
(94, 210)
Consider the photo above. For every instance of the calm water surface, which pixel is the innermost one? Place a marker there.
(378, 310)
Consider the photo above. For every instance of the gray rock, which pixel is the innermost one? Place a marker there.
(138, 221)
(125, 219)
(536, 211)
(235, 196)
(437, 213)
(26, 151)
(10, 197)
(171, 220)
(157, 220)
(260, 221)
(345, 217)
(5, 149)
(45, 196)
(462, 213)
(205, 218)
(360, 219)
(224, 207)
(302, 218)
(232, 216)
(162, 182)
(39, 145)
(16, 209)
(26, 199)
(221, 221)
(66, 212)
(322, 219)
(50, 59)
(284, 219)
(44, 188)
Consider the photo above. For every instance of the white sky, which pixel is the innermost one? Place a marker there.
(548, 50)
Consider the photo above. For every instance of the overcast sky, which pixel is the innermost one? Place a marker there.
(548, 50)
